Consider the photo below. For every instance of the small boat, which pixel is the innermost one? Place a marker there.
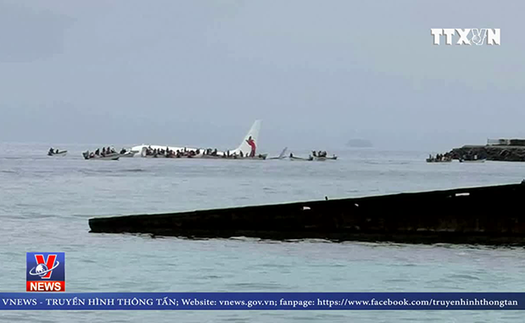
(57, 153)
(114, 156)
(439, 158)
(212, 157)
(461, 160)
(323, 158)
(144, 153)
(292, 157)
(433, 160)
(128, 154)
(155, 156)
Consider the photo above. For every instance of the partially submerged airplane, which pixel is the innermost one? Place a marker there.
(282, 155)
(246, 150)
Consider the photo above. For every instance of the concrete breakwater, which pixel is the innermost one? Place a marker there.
(499, 153)
(481, 215)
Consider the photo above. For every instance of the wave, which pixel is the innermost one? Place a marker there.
(111, 171)
(134, 170)
(8, 171)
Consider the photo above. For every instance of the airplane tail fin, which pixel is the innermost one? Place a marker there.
(249, 144)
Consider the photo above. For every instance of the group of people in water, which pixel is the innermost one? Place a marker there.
(318, 153)
(105, 152)
(170, 153)
(189, 153)
(446, 157)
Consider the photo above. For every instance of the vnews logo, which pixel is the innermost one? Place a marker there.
(46, 272)
(467, 36)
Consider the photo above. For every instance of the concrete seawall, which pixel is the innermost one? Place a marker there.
(484, 215)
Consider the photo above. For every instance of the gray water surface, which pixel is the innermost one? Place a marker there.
(45, 203)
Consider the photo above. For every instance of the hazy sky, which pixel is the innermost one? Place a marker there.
(316, 72)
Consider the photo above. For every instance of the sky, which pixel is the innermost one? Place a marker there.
(317, 73)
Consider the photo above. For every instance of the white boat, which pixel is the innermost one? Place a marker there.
(472, 160)
(143, 154)
(322, 156)
(433, 160)
(88, 156)
(128, 154)
(60, 153)
(334, 157)
(292, 157)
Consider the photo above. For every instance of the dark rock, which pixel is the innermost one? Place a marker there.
(499, 153)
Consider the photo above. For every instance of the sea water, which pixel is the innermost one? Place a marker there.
(45, 204)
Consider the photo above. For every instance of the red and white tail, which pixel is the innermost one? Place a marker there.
(249, 144)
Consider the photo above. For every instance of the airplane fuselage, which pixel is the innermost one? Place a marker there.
(246, 148)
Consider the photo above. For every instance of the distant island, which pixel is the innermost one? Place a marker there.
(359, 143)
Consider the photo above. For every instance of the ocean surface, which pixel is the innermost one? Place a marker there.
(45, 204)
